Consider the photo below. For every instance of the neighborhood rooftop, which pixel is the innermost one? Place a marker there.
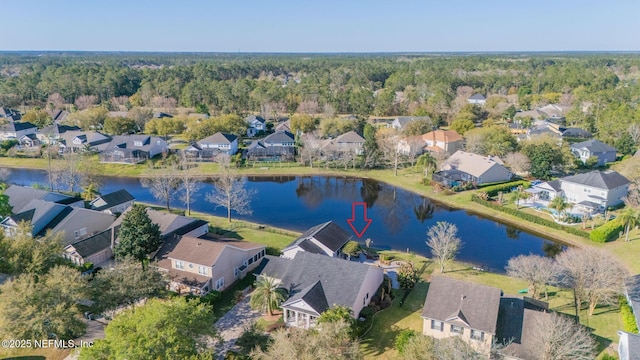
(112, 199)
(599, 179)
(328, 234)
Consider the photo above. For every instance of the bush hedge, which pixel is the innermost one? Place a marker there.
(628, 319)
(607, 232)
(529, 217)
(493, 190)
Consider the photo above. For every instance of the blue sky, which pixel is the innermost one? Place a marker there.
(320, 26)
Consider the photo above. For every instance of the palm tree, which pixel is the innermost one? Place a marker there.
(629, 218)
(519, 195)
(90, 192)
(426, 162)
(267, 295)
(559, 204)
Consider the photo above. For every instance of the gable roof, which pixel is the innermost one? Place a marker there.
(129, 141)
(404, 120)
(471, 163)
(219, 138)
(20, 196)
(598, 179)
(350, 137)
(313, 295)
(515, 323)
(43, 215)
(478, 304)
(168, 223)
(279, 137)
(632, 289)
(328, 234)
(112, 199)
(632, 348)
(593, 146)
(477, 97)
(204, 250)
(57, 129)
(445, 136)
(93, 244)
(341, 280)
(86, 137)
(11, 114)
(252, 118)
(13, 126)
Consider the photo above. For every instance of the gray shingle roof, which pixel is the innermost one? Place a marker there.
(479, 304)
(341, 279)
(93, 244)
(594, 146)
(313, 295)
(13, 126)
(43, 215)
(328, 234)
(477, 97)
(218, 138)
(112, 199)
(20, 196)
(632, 350)
(350, 137)
(598, 179)
(279, 137)
(514, 322)
(57, 129)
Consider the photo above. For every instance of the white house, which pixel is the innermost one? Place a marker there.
(477, 99)
(213, 145)
(13, 130)
(256, 125)
(595, 190)
(315, 283)
(586, 149)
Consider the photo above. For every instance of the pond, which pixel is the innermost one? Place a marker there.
(400, 219)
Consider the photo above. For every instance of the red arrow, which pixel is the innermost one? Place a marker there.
(353, 218)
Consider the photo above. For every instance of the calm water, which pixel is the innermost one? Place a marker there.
(400, 218)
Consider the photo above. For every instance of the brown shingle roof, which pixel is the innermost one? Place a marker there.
(204, 250)
(446, 136)
(475, 305)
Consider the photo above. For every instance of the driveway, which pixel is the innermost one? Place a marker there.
(95, 330)
(232, 325)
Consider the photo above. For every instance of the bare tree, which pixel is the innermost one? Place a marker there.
(231, 193)
(309, 107)
(633, 195)
(164, 102)
(443, 242)
(119, 102)
(634, 131)
(538, 271)
(55, 101)
(387, 140)
(163, 184)
(518, 162)
(69, 172)
(328, 111)
(141, 116)
(557, 336)
(85, 101)
(310, 150)
(594, 274)
(4, 174)
(188, 179)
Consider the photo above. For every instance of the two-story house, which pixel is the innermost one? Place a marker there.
(113, 203)
(315, 283)
(586, 149)
(256, 125)
(132, 149)
(477, 99)
(52, 133)
(201, 264)
(448, 141)
(628, 343)
(275, 147)
(20, 196)
(13, 130)
(211, 146)
(77, 141)
(325, 239)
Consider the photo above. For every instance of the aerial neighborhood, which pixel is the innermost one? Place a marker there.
(311, 207)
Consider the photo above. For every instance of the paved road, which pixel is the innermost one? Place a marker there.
(233, 323)
(95, 330)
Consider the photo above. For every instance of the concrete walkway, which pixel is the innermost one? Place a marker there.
(233, 324)
(95, 330)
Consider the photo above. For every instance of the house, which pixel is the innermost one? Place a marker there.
(20, 196)
(77, 141)
(628, 346)
(448, 141)
(276, 147)
(29, 140)
(161, 115)
(468, 167)
(632, 293)
(459, 308)
(586, 149)
(9, 114)
(574, 132)
(477, 99)
(214, 145)
(95, 249)
(171, 225)
(59, 116)
(200, 264)
(553, 111)
(113, 203)
(284, 126)
(517, 326)
(14, 130)
(52, 133)
(401, 121)
(315, 283)
(76, 223)
(257, 125)
(324, 239)
(132, 149)
(592, 191)
(350, 141)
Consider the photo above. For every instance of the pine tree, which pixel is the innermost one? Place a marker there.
(138, 236)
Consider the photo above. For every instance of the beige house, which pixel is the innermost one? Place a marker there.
(198, 265)
(95, 249)
(465, 167)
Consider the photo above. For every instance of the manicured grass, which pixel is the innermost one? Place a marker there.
(34, 354)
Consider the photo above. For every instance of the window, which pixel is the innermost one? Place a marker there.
(250, 261)
(220, 283)
(236, 272)
(437, 325)
(179, 264)
(81, 232)
(202, 270)
(457, 329)
(262, 252)
(477, 335)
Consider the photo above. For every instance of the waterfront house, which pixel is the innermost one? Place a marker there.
(465, 167)
(20, 196)
(315, 283)
(14, 130)
(324, 239)
(212, 146)
(275, 147)
(132, 149)
(113, 203)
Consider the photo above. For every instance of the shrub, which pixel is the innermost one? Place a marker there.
(403, 338)
(529, 217)
(493, 190)
(367, 312)
(606, 232)
(628, 319)
(211, 297)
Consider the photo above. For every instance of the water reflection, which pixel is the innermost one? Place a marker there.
(512, 233)
(369, 191)
(552, 249)
(424, 211)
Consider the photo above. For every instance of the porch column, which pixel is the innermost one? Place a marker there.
(308, 321)
(284, 315)
(296, 317)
